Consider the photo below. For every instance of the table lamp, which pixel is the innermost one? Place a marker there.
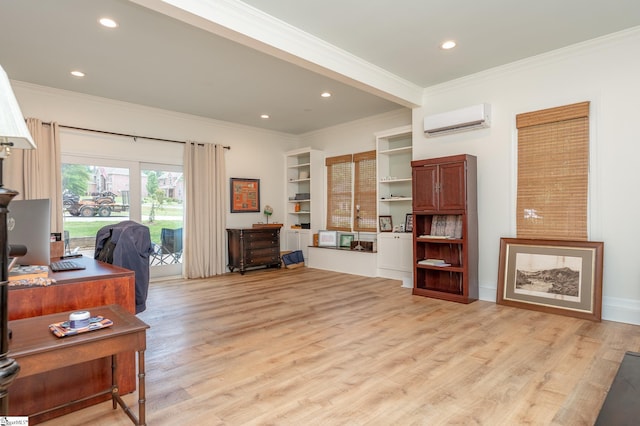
(13, 134)
(268, 211)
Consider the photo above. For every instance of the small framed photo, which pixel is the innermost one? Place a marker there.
(408, 222)
(327, 238)
(558, 277)
(346, 239)
(386, 223)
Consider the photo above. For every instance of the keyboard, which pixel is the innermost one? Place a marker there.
(65, 265)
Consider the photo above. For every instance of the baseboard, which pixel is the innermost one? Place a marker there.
(621, 310)
(613, 308)
(487, 294)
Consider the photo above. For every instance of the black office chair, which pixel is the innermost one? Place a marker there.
(170, 248)
(127, 244)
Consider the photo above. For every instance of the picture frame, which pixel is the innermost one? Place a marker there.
(408, 222)
(245, 195)
(346, 239)
(553, 276)
(385, 223)
(327, 238)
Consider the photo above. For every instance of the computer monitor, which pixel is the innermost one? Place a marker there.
(29, 224)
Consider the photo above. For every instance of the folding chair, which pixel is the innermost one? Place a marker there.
(170, 248)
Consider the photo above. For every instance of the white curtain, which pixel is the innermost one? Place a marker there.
(205, 218)
(37, 173)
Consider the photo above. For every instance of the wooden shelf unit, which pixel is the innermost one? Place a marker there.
(444, 189)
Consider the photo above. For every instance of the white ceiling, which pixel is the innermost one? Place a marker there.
(232, 60)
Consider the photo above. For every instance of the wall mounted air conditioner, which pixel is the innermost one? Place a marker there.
(460, 120)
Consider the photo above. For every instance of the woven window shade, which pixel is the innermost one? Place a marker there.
(339, 184)
(553, 173)
(365, 192)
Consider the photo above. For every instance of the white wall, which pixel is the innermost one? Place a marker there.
(355, 136)
(349, 138)
(604, 72)
(254, 153)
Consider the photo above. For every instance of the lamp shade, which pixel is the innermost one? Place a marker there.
(13, 128)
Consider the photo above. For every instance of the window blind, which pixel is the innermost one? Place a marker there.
(553, 173)
(365, 192)
(339, 191)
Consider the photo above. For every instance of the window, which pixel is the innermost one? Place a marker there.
(162, 210)
(339, 184)
(553, 173)
(94, 195)
(365, 192)
(100, 192)
(351, 197)
(121, 165)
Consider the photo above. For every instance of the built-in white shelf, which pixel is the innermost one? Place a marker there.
(395, 180)
(392, 200)
(401, 150)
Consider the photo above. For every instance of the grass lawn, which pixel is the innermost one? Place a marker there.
(89, 228)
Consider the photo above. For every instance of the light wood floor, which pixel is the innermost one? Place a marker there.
(311, 347)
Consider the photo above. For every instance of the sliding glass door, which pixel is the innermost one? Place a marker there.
(101, 192)
(162, 209)
(94, 195)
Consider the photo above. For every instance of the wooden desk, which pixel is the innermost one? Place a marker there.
(38, 351)
(100, 284)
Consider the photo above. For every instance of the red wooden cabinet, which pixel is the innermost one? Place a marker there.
(445, 233)
(425, 186)
(439, 186)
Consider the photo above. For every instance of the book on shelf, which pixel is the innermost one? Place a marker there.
(436, 237)
(433, 262)
(449, 225)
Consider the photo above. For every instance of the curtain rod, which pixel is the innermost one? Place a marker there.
(125, 135)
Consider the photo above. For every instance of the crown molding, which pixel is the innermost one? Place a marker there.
(543, 59)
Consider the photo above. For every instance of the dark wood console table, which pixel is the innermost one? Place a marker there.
(100, 284)
(252, 247)
(38, 351)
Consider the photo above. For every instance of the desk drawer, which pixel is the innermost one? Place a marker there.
(260, 244)
(262, 257)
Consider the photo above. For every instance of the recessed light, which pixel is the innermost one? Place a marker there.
(265, 116)
(325, 94)
(108, 22)
(449, 44)
(77, 73)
